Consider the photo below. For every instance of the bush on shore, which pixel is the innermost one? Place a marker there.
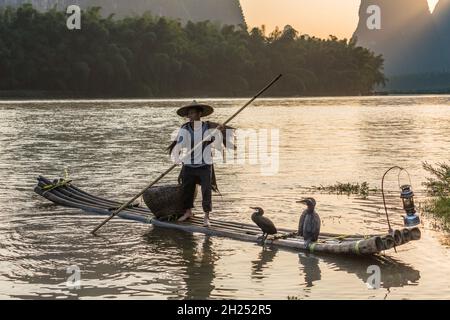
(438, 187)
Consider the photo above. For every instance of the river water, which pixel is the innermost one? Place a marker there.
(114, 148)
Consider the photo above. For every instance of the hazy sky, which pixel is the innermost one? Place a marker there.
(315, 17)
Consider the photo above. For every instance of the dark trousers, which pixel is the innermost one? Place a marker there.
(190, 178)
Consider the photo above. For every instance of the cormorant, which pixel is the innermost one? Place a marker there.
(309, 224)
(265, 224)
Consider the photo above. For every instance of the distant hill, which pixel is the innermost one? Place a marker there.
(222, 11)
(411, 39)
(441, 16)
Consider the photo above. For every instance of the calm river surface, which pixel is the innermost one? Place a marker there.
(114, 148)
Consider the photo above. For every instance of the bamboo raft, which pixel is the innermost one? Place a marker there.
(66, 194)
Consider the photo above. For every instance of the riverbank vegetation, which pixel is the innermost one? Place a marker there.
(438, 187)
(436, 82)
(360, 189)
(145, 56)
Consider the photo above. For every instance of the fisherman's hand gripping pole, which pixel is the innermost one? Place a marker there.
(125, 205)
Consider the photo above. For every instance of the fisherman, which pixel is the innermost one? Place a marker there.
(198, 167)
(309, 224)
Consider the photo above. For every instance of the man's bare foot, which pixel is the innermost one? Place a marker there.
(186, 216)
(206, 222)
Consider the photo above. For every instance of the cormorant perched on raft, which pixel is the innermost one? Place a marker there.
(265, 224)
(309, 224)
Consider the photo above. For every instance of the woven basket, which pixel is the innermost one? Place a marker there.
(165, 201)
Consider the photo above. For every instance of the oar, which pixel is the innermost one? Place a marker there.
(125, 205)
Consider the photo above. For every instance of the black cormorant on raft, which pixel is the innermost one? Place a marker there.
(265, 224)
(66, 194)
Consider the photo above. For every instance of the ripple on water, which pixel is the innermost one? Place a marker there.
(112, 149)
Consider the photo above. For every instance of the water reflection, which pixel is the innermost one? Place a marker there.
(265, 257)
(113, 149)
(198, 261)
(310, 268)
(394, 273)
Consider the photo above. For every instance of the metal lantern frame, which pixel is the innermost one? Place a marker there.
(407, 196)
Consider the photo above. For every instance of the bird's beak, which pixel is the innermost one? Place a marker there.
(253, 208)
(301, 201)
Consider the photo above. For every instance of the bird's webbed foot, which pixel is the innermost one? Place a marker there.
(262, 239)
(307, 243)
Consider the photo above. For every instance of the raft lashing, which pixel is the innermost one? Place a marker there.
(68, 195)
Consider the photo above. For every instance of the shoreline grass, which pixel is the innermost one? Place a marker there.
(361, 189)
(438, 188)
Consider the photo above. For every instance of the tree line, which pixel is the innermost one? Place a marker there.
(421, 82)
(147, 56)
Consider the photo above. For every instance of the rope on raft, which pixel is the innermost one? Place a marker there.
(131, 206)
(56, 184)
(62, 182)
(285, 236)
(339, 238)
(343, 237)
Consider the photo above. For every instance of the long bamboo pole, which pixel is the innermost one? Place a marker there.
(162, 175)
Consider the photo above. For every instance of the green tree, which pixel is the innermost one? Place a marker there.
(150, 56)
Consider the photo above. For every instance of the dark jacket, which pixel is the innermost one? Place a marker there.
(228, 144)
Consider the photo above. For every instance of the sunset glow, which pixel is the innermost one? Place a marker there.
(319, 18)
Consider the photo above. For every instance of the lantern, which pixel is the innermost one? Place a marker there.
(407, 195)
